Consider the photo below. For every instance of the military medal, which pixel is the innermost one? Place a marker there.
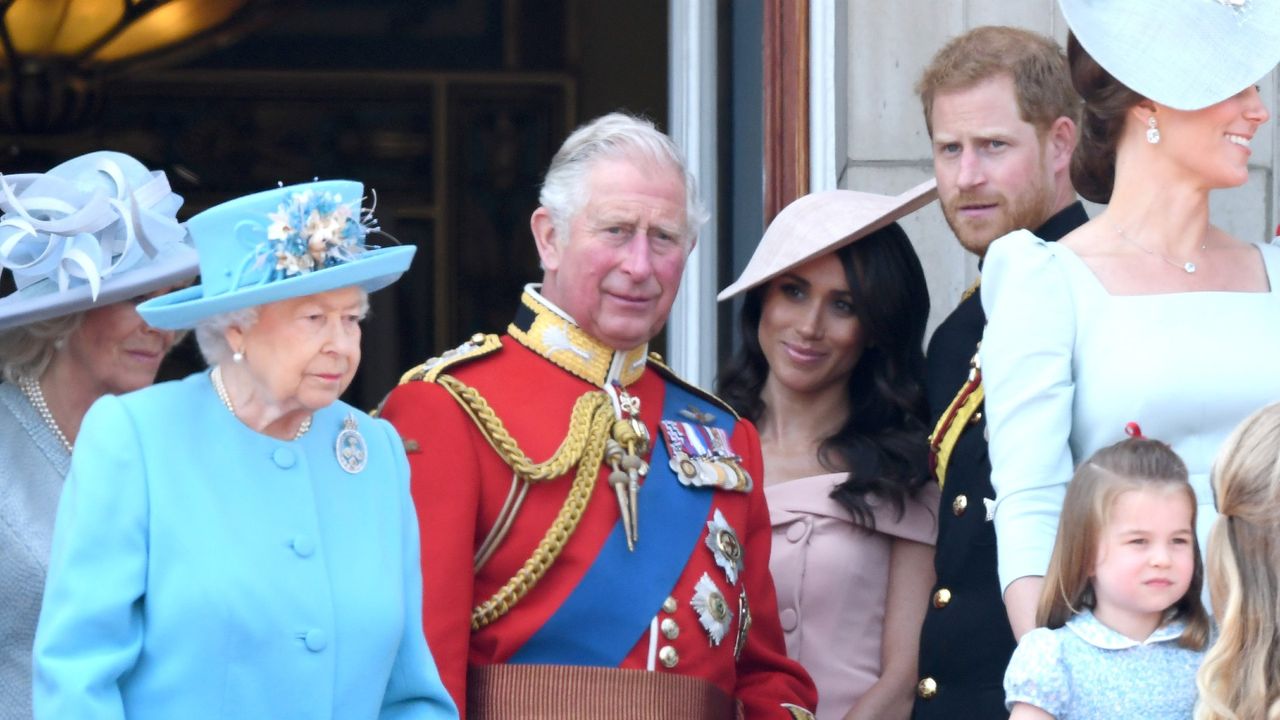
(724, 545)
(350, 448)
(684, 467)
(701, 456)
(713, 610)
(693, 413)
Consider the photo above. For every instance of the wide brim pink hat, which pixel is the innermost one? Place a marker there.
(820, 223)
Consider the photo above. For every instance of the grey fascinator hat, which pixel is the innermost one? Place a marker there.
(95, 230)
(1184, 54)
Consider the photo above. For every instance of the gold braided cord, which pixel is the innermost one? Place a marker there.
(564, 458)
(589, 426)
(584, 482)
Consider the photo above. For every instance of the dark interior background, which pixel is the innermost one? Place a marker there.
(449, 109)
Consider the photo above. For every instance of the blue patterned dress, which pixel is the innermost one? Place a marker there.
(1087, 671)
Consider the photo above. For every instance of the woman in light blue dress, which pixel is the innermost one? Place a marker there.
(1147, 313)
(241, 543)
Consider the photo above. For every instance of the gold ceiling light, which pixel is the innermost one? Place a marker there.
(54, 54)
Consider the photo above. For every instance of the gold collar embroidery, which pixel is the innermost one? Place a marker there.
(545, 329)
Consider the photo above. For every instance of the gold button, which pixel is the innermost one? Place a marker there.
(975, 419)
(668, 656)
(669, 628)
(959, 504)
(927, 688)
(669, 605)
(942, 598)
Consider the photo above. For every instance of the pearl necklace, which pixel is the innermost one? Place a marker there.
(221, 389)
(31, 388)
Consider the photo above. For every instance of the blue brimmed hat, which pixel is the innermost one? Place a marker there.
(1186, 54)
(97, 229)
(283, 243)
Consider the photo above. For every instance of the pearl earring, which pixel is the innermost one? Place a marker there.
(1153, 132)
(237, 357)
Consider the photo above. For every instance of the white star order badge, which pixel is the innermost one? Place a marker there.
(725, 547)
(713, 610)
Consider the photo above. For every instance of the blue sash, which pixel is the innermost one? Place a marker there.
(614, 603)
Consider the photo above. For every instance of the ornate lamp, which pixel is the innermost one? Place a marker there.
(55, 54)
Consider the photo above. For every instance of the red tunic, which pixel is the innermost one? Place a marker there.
(460, 485)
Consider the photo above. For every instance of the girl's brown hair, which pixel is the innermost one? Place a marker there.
(1133, 464)
(1240, 676)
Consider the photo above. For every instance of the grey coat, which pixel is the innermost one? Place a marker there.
(33, 464)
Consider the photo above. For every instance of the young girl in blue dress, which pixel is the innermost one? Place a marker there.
(1123, 629)
(1240, 677)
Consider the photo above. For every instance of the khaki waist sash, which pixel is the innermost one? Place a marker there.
(556, 692)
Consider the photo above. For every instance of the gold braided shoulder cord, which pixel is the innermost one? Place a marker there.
(589, 426)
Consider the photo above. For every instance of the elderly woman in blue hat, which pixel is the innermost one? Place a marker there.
(241, 543)
(85, 243)
(1148, 313)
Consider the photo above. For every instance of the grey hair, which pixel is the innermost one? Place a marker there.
(27, 350)
(614, 135)
(211, 333)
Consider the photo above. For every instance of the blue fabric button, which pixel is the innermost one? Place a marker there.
(316, 640)
(283, 457)
(303, 545)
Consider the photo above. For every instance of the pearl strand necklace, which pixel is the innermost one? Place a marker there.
(31, 388)
(216, 376)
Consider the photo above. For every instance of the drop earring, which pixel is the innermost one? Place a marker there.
(237, 357)
(1153, 132)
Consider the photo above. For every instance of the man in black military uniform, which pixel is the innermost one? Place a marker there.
(1002, 117)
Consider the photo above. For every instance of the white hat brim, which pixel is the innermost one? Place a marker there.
(1184, 54)
(44, 301)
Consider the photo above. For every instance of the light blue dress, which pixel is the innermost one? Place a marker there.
(1087, 671)
(1066, 365)
(202, 570)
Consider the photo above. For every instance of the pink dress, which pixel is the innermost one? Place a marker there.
(832, 579)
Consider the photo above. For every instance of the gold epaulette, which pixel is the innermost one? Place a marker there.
(479, 345)
(655, 361)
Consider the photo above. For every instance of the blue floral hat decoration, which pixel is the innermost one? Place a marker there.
(1185, 54)
(97, 229)
(282, 243)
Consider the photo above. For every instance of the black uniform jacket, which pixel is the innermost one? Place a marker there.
(966, 641)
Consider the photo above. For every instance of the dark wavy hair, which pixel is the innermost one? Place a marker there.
(1106, 103)
(883, 443)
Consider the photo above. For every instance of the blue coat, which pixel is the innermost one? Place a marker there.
(202, 570)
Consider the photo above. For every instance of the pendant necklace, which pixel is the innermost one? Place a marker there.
(31, 388)
(216, 376)
(1188, 267)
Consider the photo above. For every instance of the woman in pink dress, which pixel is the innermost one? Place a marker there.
(831, 371)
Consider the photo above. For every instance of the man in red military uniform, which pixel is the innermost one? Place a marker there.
(595, 541)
